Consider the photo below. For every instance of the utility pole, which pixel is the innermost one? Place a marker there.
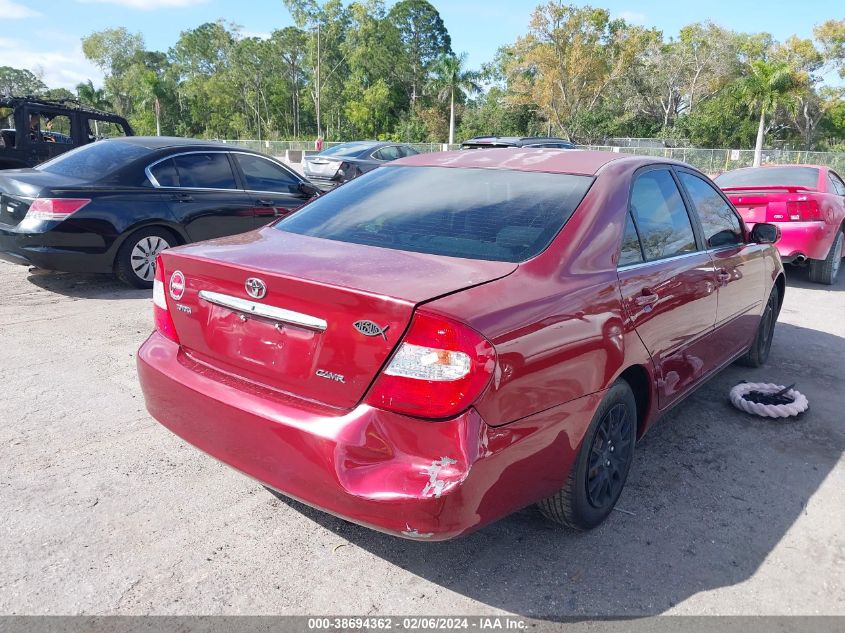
(319, 87)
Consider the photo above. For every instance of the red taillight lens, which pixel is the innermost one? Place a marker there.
(803, 211)
(439, 370)
(54, 208)
(163, 320)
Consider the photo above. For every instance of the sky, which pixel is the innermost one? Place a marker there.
(44, 35)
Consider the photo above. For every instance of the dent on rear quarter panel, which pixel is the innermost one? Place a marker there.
(557, 322)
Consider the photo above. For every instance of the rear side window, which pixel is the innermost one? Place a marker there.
(631, 251)
(205, 171)
(165, 173)
(261, 174)
(661, 216)
(837, 186)
(387, 153)
(720, 223)
(490, 214)
(770, 177)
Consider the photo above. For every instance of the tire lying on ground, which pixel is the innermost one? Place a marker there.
(768, 400)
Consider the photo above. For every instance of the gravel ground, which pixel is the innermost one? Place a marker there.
(106, 512)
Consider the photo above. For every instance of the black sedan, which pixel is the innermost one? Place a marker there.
(113, 205)
(346, 161)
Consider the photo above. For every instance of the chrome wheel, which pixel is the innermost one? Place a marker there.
(143, 256)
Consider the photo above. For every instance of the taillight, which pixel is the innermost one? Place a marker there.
(439, 370)
(803, 210)
(161, 315)
(54, 208)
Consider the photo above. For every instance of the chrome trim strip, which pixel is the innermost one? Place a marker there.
(244, 306)
(662, 260)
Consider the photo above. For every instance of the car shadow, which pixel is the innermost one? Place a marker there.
(798, 277)
(84, 285)
(712, 492)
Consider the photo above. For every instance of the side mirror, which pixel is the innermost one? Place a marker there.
(308, 189)
(765, 233)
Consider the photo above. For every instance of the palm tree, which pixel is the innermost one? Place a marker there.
(768, 86)
(94, 97)
(91, 96)
(450, 77)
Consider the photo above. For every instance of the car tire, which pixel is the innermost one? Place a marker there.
(596, 480)
(758, 353)
(144, 243)
(825, 271)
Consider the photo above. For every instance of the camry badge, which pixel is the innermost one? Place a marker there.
(255, 288)
(368, 328)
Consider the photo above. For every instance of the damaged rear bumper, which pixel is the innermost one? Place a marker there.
(407, 477)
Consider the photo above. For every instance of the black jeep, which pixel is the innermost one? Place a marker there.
(33, 130)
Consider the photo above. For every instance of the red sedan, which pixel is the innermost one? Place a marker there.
(454, 336)
(807, 202)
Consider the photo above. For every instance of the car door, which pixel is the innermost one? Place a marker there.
(275, 191)
(667, 283)
(740, 268)
(204, 194)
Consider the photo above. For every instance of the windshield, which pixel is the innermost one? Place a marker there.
(770, 177)
(346, 149)
(93, 161)
(490, 214)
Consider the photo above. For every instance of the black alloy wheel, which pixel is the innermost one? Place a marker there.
(610, 456)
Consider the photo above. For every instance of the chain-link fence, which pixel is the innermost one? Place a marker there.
(716, 161)
(710, 161)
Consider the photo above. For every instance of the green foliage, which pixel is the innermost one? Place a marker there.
(358, 69)
(19, 82)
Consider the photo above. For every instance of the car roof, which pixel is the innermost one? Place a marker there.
(162, 142)
(528, 159)
(514, 140)
(766, 166)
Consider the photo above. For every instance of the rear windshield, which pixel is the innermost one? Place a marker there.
(93, 161)
(491, 214)
(770, 177)
(346, 149)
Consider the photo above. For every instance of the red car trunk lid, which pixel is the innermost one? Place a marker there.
(766, 204)
(332, 313)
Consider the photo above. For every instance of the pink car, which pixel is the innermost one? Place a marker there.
(807, 202)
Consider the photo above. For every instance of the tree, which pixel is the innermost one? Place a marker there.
(831, 36)
(768, 86)
(570, 60)
(113, 50)
(91, 96)
(424, 38)
(451, 79)
(290, 46)
(19, 82)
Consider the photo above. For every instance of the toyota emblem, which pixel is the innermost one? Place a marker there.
(255, 288)
(177, 285)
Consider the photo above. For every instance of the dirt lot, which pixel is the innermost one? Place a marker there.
(104, 511)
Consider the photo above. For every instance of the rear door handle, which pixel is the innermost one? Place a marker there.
(182, 197)
(265, 203)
